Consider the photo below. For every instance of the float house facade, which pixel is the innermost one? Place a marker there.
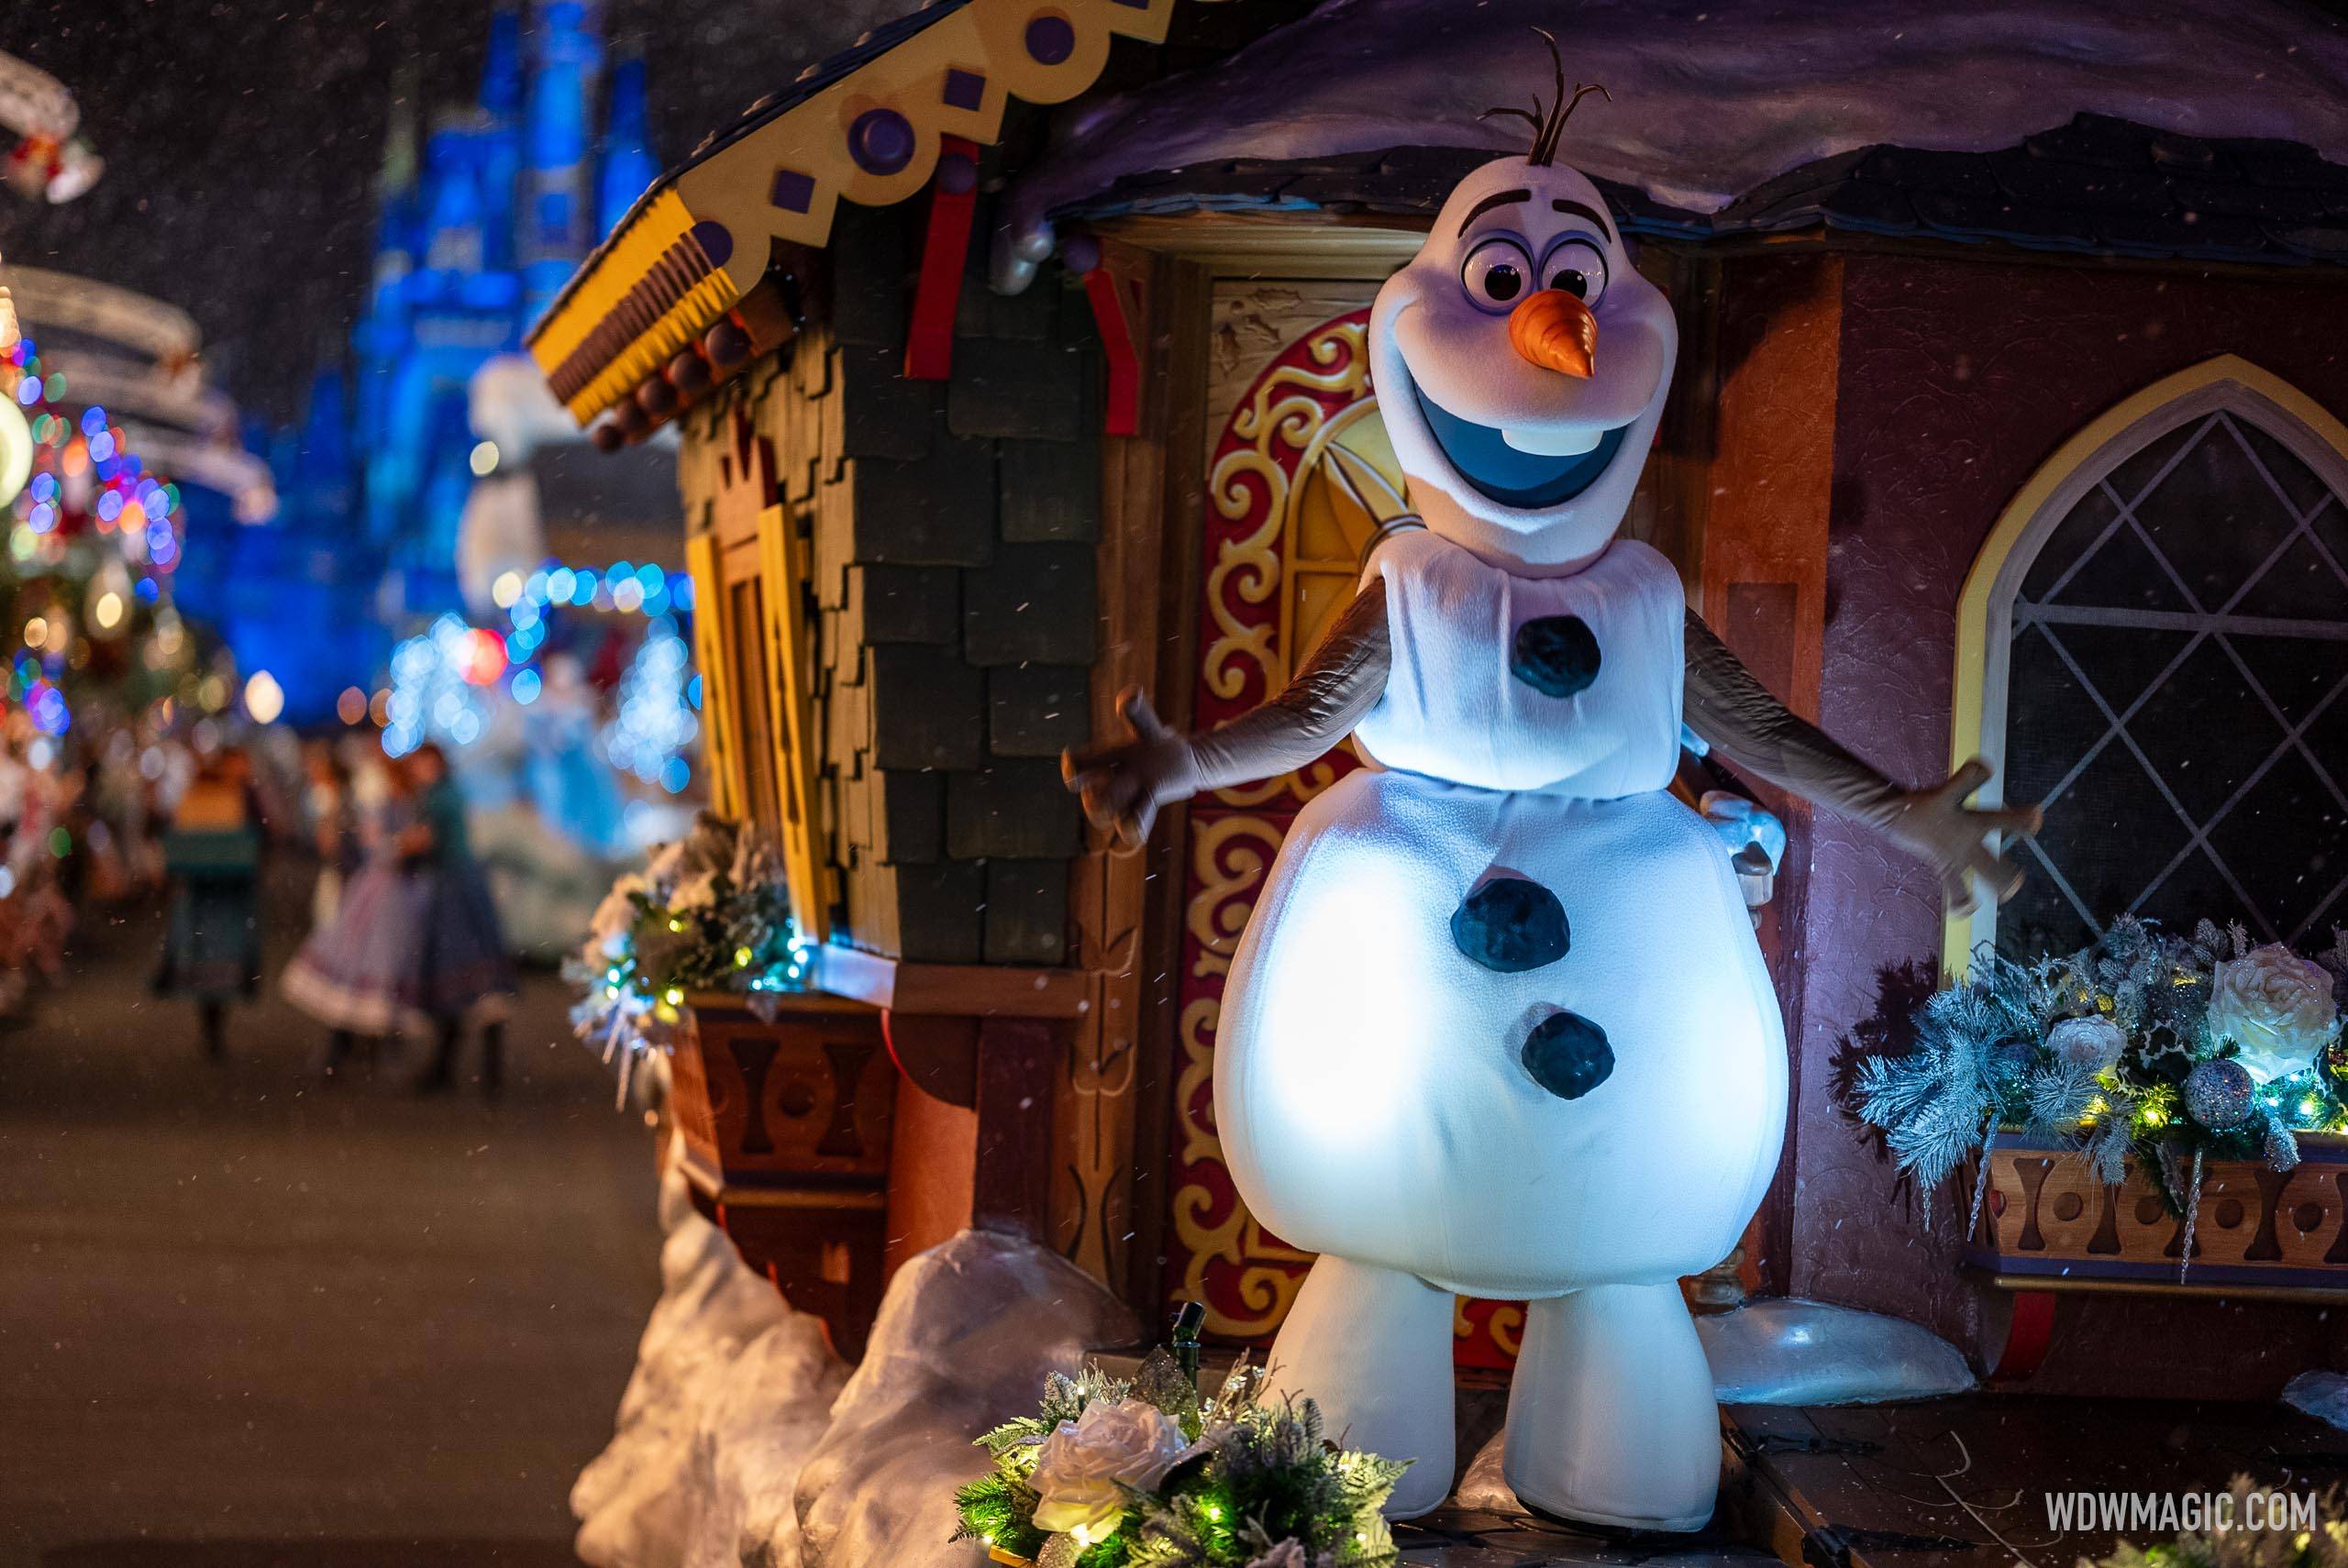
(2013, 433)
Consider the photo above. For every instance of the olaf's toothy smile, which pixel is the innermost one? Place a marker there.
(1496, 463)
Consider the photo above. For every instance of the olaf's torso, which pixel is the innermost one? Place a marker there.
(1371, 1089)
(1464, 702)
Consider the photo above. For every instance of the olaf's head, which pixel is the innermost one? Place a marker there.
(1521, 364)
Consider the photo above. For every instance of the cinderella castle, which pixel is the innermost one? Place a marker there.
(405, 469)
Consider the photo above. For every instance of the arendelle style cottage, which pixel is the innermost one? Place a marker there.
(1019, 357)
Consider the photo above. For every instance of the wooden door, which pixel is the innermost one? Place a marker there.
(1298, 478)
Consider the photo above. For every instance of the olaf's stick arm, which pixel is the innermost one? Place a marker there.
(1738, 718)
(1318, 708)
(1123, 783)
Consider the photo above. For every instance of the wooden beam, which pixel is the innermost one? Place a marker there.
(945, 247)
(784, 565)
(1120, 402)
(970, 990)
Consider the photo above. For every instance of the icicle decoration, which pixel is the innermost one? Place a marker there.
(1980, 1184)
(2192, 1214)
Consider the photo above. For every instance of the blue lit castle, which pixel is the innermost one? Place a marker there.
(427, 463)
(475, 237)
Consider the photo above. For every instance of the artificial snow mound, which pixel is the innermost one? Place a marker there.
(2321, 1394)
(1788, 1351)
(742, 1439)
(965, 1336)
(1710, 99)
(731, 1389)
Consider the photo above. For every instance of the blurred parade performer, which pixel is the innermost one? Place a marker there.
(463, 977)
(415, 942)
(352, 973)
(212, 948)
(332, 813)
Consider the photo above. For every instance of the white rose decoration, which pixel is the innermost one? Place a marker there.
(2275, 1006)
(1086, 1466)
(2093, 1043)
(616, 914)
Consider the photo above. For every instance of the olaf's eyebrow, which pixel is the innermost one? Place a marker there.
(1497, 198)
(1575, 209)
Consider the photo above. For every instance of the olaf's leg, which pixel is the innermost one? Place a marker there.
(1612, 1418)
(1372, 1347)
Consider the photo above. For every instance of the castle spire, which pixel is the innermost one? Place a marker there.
(500, 73)
(628, 166)
(557, 206)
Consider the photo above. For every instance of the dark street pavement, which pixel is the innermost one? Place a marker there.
(246, 1321)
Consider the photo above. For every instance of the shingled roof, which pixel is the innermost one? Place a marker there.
(2099, 186)
(868, 126)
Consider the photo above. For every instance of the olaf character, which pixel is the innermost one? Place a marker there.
(1498, 1026)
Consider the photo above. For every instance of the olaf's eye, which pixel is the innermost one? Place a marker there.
(1497, 274)
(1577, 267)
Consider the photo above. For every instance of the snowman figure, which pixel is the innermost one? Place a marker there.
(1499, 1026)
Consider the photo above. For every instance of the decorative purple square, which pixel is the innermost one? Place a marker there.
(964, 89)
(793, 192)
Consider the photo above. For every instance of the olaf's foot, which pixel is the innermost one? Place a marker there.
(1611, 1419)
(1372, 1347)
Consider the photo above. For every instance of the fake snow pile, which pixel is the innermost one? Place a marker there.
(731, 1389)
(1712, 99)
(1789, 1350)
(743, 1439)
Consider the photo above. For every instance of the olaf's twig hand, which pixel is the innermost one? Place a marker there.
(1962, 842)
(1123, 783)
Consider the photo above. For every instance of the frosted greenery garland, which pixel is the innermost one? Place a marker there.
(709, 913)
(1983, 1059)
(1164, 1479)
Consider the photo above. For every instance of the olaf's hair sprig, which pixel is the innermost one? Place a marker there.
(1549, 123)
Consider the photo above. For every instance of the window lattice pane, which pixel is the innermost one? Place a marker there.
(2297, 481)
(2072, 537)
(2204, 731)
(2189, 751)
(2125, 573)
(2215, 517)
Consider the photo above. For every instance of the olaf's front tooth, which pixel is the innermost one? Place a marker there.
(1552, 443)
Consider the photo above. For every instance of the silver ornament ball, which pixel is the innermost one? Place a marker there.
(2217, 1095)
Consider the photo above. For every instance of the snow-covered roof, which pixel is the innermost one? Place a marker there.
(2097, 185)
(1712, 98)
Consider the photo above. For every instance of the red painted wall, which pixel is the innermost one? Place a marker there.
(1958, 379)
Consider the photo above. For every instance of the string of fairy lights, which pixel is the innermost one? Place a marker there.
(93, 539)
(441, 679)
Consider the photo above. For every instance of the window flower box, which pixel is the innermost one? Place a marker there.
(2047, 1224)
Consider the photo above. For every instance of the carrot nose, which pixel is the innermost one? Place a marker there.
(1555, 330)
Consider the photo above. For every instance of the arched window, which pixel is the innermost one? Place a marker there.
(2153, 644)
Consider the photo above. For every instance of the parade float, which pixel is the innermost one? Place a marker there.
(990, 410)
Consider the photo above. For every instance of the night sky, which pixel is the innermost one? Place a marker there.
(242, 138)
